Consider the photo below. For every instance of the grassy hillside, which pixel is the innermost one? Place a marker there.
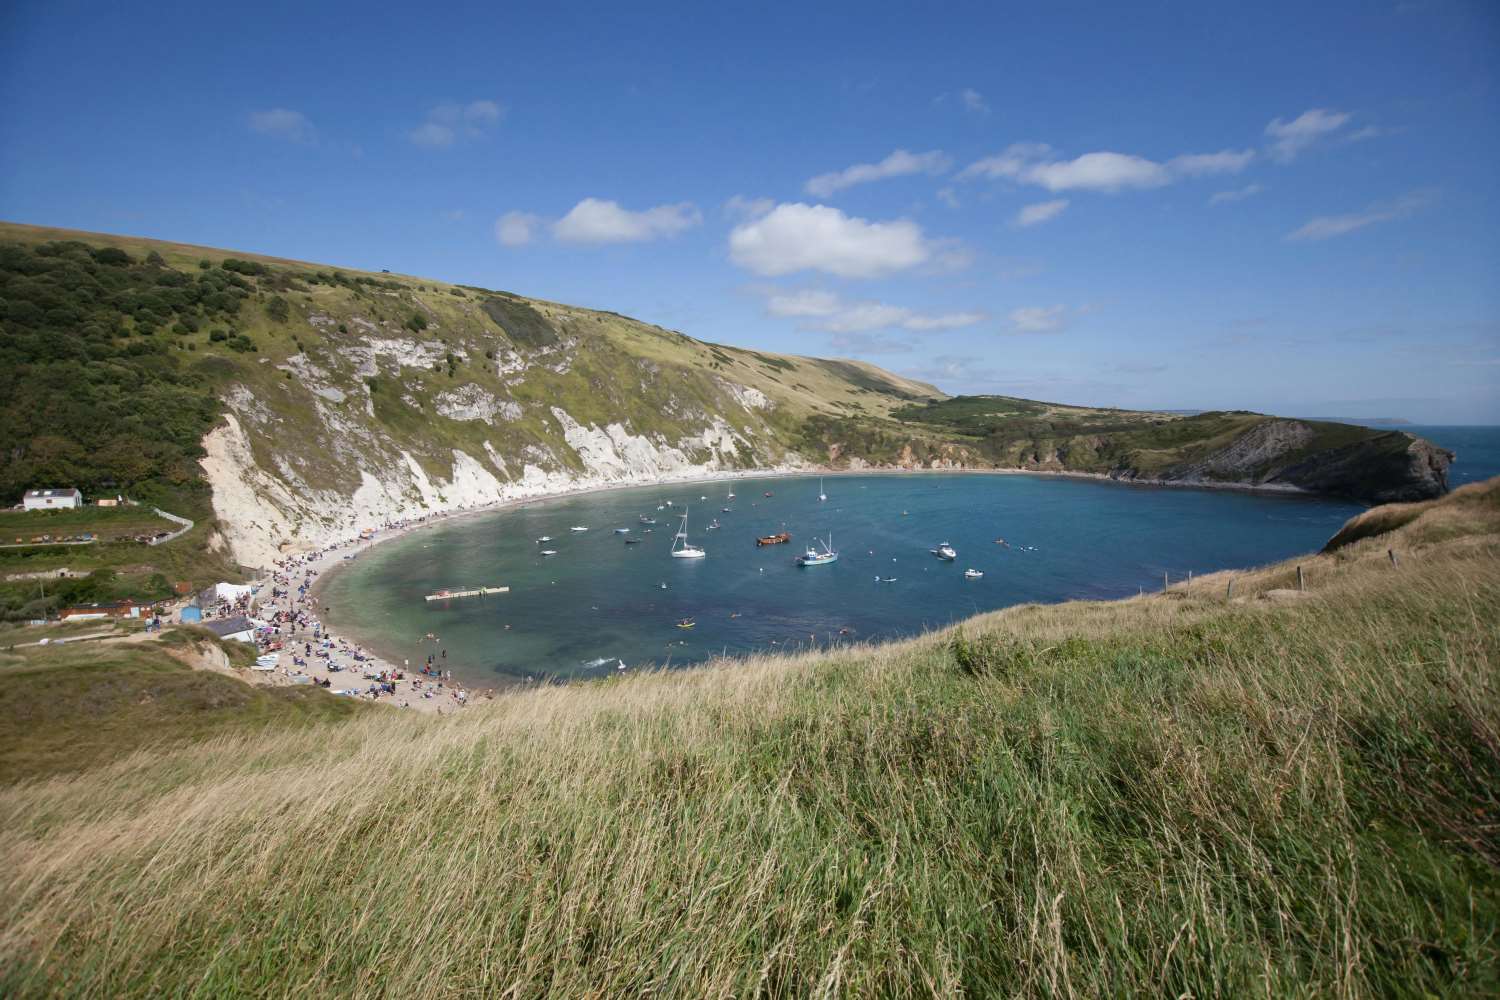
(281, 403)
(1180, 794)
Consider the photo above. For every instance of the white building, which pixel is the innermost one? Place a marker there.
(52, 499)
(238, 629)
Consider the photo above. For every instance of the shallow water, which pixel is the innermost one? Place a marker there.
(599, 598)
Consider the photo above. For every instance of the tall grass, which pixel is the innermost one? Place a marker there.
(1172, 795)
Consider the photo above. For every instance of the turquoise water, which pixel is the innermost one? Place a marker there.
(599, 598)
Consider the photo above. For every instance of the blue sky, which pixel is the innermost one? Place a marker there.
(1287, 207)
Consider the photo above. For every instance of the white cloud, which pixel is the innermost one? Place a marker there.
(283, 123)
(1324, 227)
(899, 164)
(1033, 163)
(948, 197)
(1042, 211)
(1039, 319)
(740, 207)
(448, 123)
(798, 237)
(974, 101)
(1225, 161)
(1290, 138)
(827, 311)
(515, 229)
(593, 220)
(1238, 194)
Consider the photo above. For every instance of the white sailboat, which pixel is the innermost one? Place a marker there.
(681, 548)
(821, 495)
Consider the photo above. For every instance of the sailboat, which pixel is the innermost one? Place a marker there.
(681, 548)
(821, 495)
(812, 557)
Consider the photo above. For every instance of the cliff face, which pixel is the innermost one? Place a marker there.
(326, 402)
(1381, 467)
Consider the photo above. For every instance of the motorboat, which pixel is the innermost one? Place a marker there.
(622, 531)
(713, 525)
(681, 548)
(632, 541)
(780, 538)
(579, 527)
(972, 574)
(821, 495)
(945, 552)
(646, 520)
(812, 557)
(549, 552)
(544, 538)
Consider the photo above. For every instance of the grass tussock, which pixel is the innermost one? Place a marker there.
(1182, 794)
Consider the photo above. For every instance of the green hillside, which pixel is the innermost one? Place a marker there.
(279, 403)
(1280, 793)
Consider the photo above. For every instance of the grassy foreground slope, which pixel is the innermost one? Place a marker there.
(1178, 794)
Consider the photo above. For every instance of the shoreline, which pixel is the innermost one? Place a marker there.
(328, 564)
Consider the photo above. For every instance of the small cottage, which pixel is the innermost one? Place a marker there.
(237, 629)
(52, 499)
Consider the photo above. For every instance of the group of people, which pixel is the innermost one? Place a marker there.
(292, 626)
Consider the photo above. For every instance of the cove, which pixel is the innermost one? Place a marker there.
(599, 599)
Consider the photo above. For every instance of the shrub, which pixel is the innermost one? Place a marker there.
(278, 309)
(416, 322)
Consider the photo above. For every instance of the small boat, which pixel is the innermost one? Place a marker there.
(661, 506)
(605, 661)
(578, 527)
(686, 623)
(778, 539)
(664, 585)
(886, 579)
(730, 497)
(821, 495)
(622, 531)
(632, 541)
(646, 520)
(945, 552)
(768, 493)
(549, 552)
(544, 538)
(726, 510)
(713, 525)
(972, 574)
(812, 557)
(703, 498)
(681, 548)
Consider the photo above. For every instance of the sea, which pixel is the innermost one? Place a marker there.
(599, 603)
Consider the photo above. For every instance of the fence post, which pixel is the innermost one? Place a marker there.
(1229, 593)
(1301, 582)
(1165, 584)
(1395, 563)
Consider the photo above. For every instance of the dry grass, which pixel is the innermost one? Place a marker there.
(1172, 795)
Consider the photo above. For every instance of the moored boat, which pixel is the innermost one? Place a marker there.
(812, 557)
(681, 547)
(778, 539)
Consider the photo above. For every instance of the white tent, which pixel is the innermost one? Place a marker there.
(224, 592)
